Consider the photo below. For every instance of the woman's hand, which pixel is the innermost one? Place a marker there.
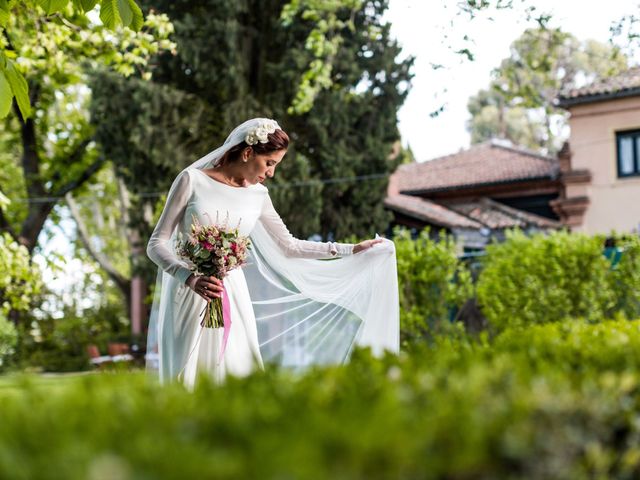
(207, 287)
(362, 246)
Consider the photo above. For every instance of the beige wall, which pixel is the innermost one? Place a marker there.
(615, 202)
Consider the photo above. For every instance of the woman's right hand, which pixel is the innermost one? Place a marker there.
(207, 287)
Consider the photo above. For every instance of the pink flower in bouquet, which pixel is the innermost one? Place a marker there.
(215, 250)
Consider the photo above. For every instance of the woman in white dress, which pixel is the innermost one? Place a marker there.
(298, 296)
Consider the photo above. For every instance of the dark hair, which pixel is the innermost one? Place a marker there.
(278, 140)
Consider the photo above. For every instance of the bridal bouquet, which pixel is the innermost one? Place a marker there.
(214, 250)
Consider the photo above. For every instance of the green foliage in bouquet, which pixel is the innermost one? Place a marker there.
(432, 281)
(562, 406)
(550, 278)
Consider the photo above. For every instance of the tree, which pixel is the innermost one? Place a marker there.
(100, 211)
(52, 152)
(519, 104)
(12, 82)
(625, 33)
(255, 70)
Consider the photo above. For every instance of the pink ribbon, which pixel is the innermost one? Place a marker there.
(226, 316)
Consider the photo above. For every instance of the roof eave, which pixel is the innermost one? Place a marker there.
(477, 185)
(567, 102)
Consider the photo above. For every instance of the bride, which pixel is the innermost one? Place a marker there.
(310, 302)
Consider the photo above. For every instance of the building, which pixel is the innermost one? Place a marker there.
(477, 194)
(600, 165)
(592, 186)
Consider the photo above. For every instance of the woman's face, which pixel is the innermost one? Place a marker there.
(259, 167)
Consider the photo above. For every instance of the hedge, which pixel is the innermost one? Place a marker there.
(463, 408)
(550, 278)
(432, 283)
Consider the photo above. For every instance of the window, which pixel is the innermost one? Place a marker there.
(628, 153)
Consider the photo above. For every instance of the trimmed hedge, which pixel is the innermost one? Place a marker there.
(485, 409)
(432, 281)
(541, 279)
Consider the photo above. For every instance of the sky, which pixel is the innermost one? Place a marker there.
(422, 27)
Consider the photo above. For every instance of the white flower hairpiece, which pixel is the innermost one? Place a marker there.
(260, 132)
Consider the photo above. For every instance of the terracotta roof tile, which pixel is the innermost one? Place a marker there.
(483, 164)
(429, 211)
(623, 85)
(481, 213)
(496, 215)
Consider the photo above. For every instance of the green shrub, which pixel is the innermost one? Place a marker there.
(19, 277)
(8, 340)
(624, 277)
(543, 279)
(59, 344)
(432, 282)
(485, 409)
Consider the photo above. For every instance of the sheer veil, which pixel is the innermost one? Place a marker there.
(308, 312)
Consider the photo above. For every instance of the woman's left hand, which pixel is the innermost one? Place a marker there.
(362, 246)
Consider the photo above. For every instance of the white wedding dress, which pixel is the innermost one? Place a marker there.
(311, 303)
(184, 348)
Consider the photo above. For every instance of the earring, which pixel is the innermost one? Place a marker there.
(244, 160)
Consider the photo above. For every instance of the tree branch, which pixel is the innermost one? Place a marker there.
(30, 157)
(84, 176)
(123, 283)
(74, 156)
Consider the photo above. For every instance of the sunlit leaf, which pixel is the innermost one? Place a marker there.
(138, 19)
(5, 96)
(87, 5)
(19, 87)
(109, 13)
(4, 13)
(126, 15)
(52, 6)
(121, 12)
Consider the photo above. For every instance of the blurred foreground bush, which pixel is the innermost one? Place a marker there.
(554, 401)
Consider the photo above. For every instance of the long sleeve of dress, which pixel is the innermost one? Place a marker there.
(293, 247)
(159, 248)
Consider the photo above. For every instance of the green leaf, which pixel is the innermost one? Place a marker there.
(109, 14)
(87, 5)
(138, 18)
(4, 201)
(84, 5)
(5, 96)
(52, 6)
(125, 12)
(4, 13)
(19, 87)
